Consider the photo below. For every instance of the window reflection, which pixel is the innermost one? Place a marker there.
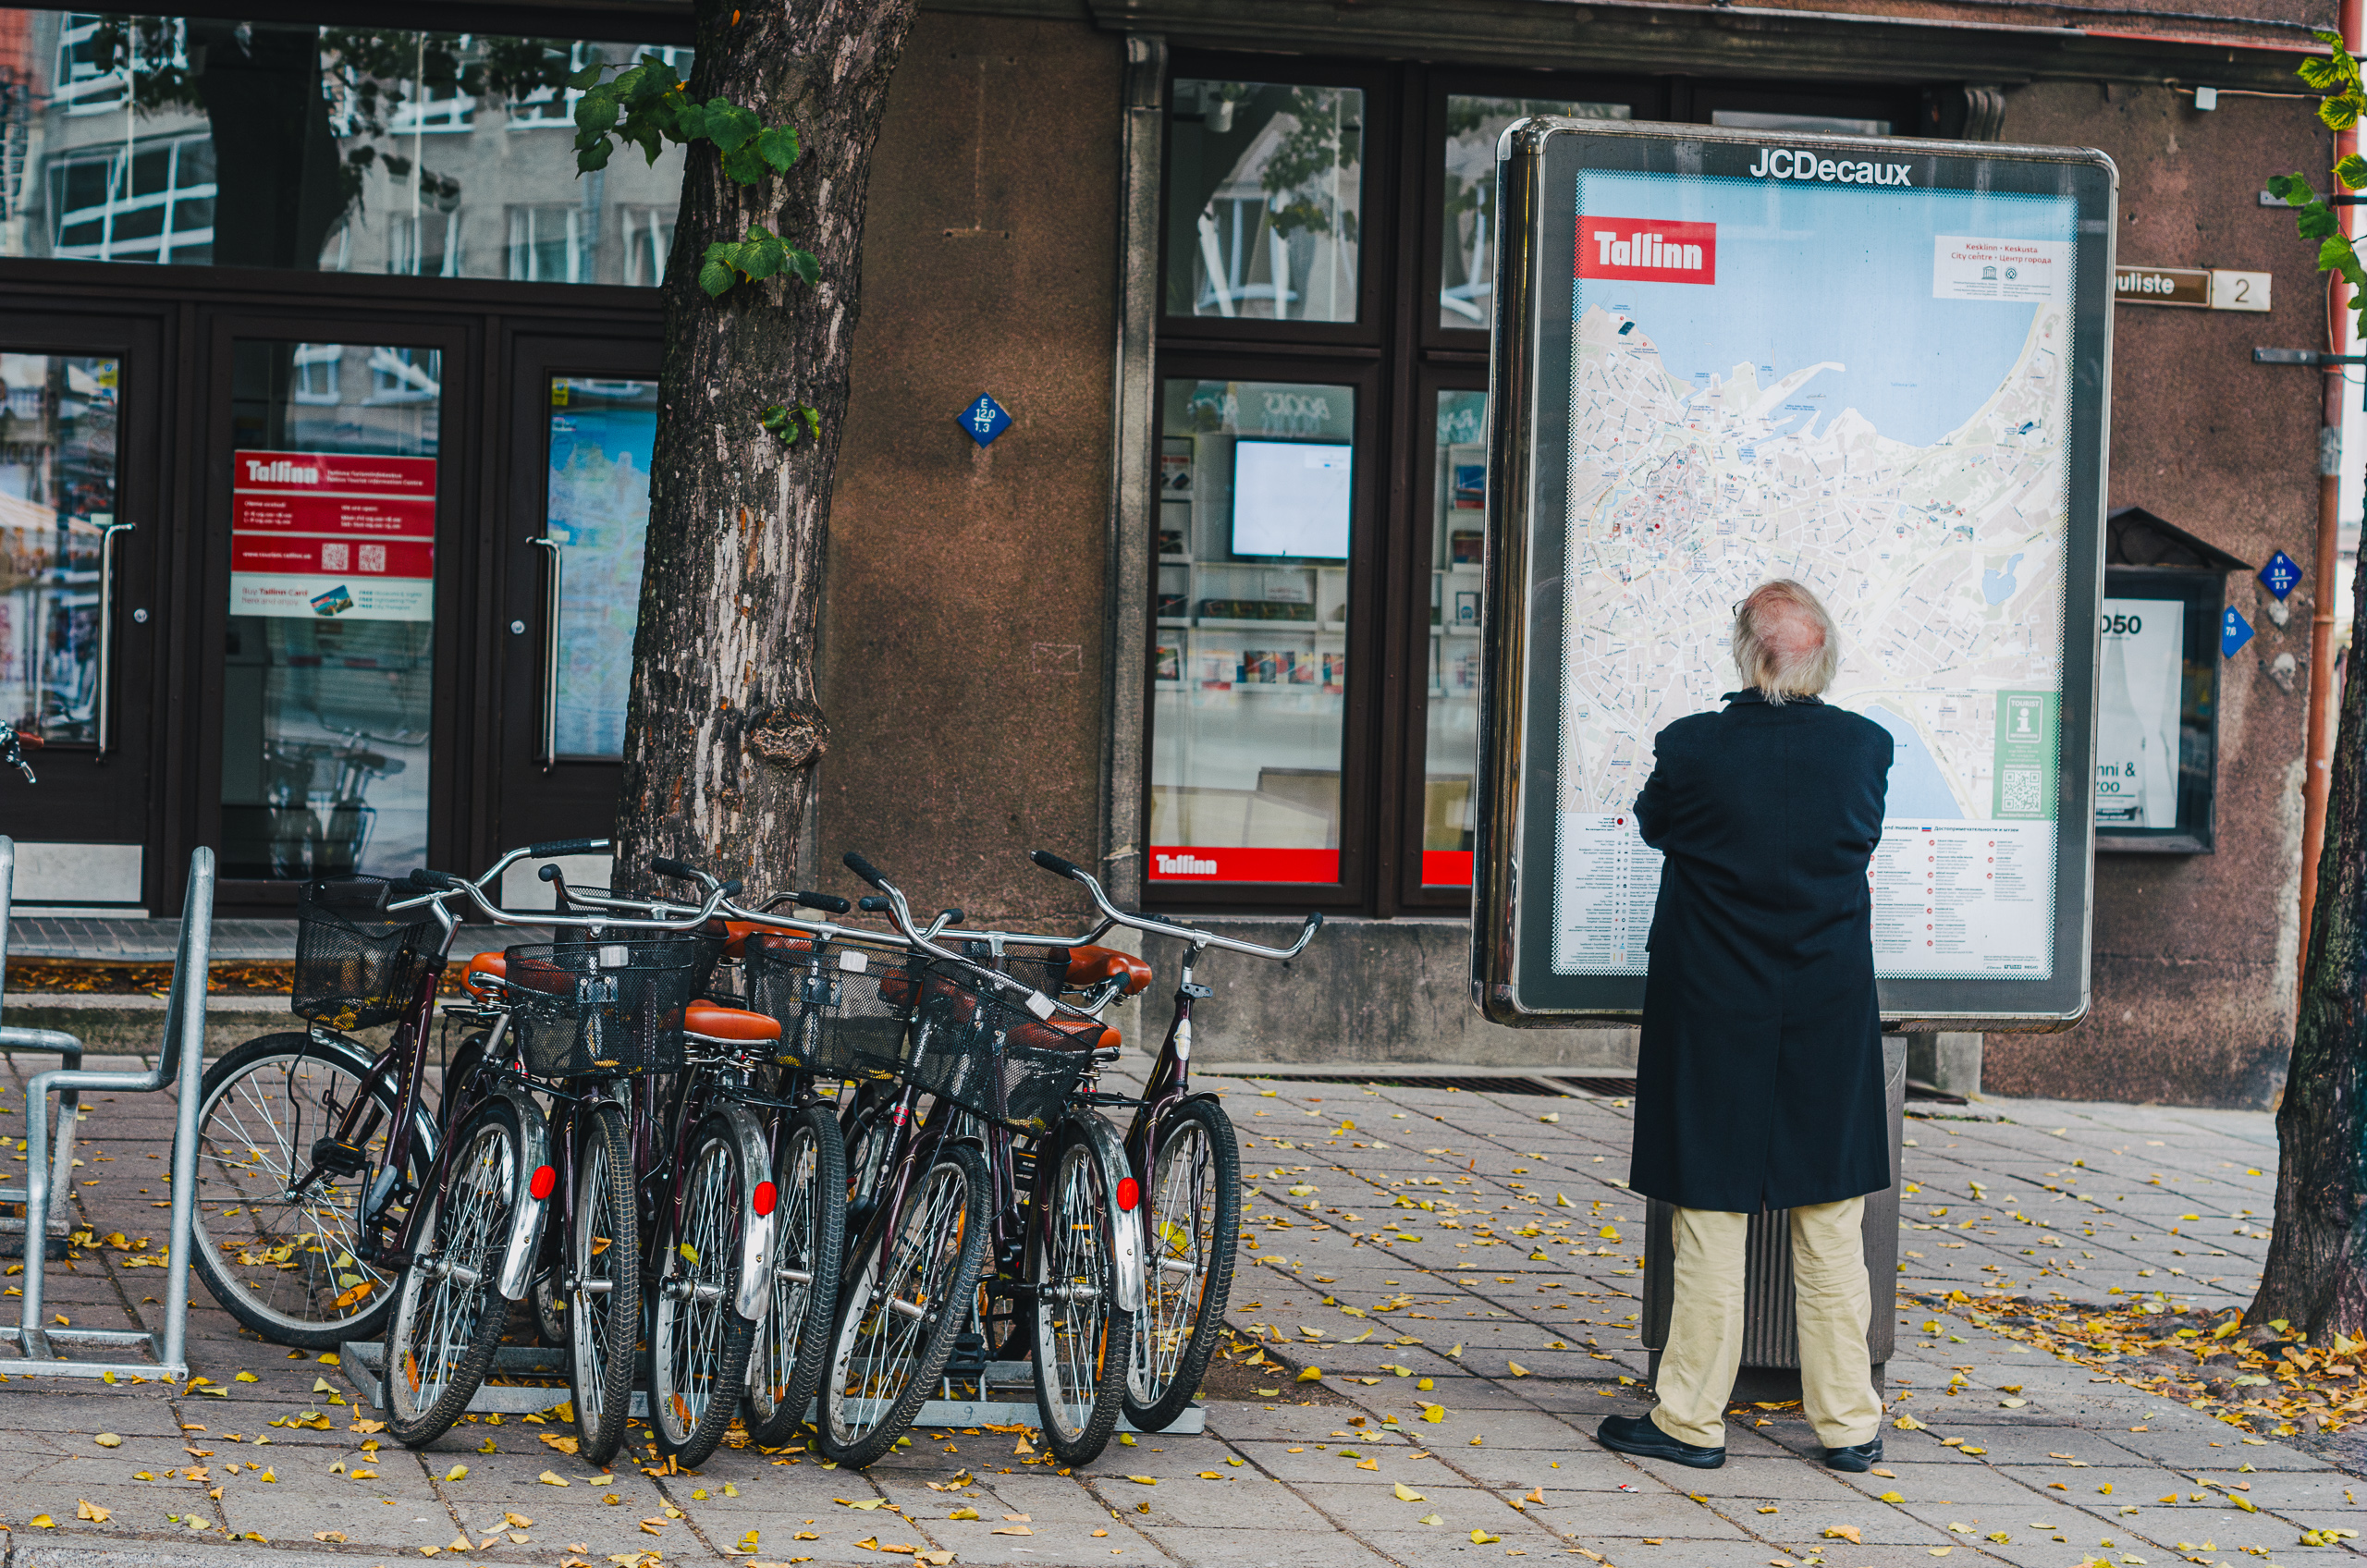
(1468, 221)
(1451, 738)
(1250, 662)
(57, 495)
(602, 434)
(329, 667)
(195, 141)
(1265, 197)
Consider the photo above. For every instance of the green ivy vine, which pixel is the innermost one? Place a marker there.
(647, 106)
(2344, 105)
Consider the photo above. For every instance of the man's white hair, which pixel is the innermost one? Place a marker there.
(1784, 644)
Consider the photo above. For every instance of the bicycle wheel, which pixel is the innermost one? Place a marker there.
(698, 1344)
(286, 1263)
(602, 1263)
(809, 1234)
(908, 1299)
(1193, 1220)
(448, 1316)
(1082, 1334)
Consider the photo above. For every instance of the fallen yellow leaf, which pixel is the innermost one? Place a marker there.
(458, 1473)
(85, 1509)
(964, 1513)
(1842, 1533)
(552, 1478)
(107, 1440)
(1407, 1494)
(1481, 1538)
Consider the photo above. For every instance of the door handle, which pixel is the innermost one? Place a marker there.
(104, 707)
(548, 753)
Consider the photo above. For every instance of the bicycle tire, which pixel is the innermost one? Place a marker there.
(809, 1238)
(255, 1132)
(870, 1397)
(1191, 1221)
(1084, 1339)
(450, 1315)
(698, 1342)
(602, 1250)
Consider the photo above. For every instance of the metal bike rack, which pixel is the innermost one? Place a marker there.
(361, 1362)
(181, 1062)
(69, 1052)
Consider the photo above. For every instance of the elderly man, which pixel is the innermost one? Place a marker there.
(1759, 1085)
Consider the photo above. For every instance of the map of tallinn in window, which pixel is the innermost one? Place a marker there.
(1867, 390)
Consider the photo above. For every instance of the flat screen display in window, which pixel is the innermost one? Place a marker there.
(1291, 499)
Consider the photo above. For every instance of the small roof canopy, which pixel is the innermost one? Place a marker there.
(2136, 537)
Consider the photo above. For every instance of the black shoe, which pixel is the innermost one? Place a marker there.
(1858, 1458)
(1639, 1436)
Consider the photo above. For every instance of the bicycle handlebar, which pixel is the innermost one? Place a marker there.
(1195, 935)
(828, 904)
(865, 870)
(437, 881)
(566, 847)
(665, 865)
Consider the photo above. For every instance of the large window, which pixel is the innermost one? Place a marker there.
(191, 141)
(1330, 256)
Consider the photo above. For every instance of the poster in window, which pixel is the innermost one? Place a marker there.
(332, 535)
(2138, 686)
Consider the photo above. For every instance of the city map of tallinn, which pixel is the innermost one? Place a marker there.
(1831, 373)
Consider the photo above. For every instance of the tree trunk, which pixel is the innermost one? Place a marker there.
(723, 727)
(2316, 1275)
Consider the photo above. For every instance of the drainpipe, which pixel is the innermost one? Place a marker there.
(2329, 564)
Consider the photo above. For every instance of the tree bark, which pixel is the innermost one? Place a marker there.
(723, 728)
(2316, 1275)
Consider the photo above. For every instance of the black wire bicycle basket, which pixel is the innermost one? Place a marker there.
(842, 1009)
(356, 964)
(983, 1047)
(583, 1007)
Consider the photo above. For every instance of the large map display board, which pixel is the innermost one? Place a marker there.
(1874, 366)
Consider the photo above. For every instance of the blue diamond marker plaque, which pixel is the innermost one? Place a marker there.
(985, 420)
(2280, 574)
(2234, 632)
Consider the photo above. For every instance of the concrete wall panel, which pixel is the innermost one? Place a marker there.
(966, 591)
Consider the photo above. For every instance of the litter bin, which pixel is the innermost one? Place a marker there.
(1771, 1347)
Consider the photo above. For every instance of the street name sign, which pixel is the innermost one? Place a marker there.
(1879, 366)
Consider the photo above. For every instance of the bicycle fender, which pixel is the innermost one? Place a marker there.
(755, 1296)
(1126, 1232)
(526, 1222)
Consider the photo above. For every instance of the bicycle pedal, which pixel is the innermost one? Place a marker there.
(339, 1159)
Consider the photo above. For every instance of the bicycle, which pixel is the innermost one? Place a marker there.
(595, 1023)
(13, 743)
(1180, 1147)
(1007, 1064)
(315, 1141)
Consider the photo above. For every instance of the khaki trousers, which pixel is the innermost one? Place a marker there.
(1835, 1305)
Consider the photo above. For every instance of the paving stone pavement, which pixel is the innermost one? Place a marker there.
(1513, 1295)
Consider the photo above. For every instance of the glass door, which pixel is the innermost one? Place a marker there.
(332, 484)
(79, 539)
(583, 431)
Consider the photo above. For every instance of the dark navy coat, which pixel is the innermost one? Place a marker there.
(1761, 1080)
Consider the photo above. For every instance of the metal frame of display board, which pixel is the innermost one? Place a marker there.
(1513, 981)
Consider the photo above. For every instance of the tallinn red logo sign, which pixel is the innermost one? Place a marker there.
(1648, 250)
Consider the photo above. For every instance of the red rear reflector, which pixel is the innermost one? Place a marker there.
(544, 1180)
(1130, 1192)
(766, 1195)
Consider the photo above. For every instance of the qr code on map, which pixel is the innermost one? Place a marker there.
(2018, 791)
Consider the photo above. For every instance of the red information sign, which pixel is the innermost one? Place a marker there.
(1198, 862)
(332, 533)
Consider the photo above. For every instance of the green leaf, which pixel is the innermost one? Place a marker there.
(2340, 114)
(588, 77)
(593, 159)
(802, 265)
(2324, 75)
(596, 112)
(2316, 221)
(714, 275)
(743, 164)
(779, 146)
(2287, 187)
(2334, 252)
(729, 126)
(2351, 171)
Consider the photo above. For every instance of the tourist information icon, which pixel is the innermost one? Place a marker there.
(1876, 366)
